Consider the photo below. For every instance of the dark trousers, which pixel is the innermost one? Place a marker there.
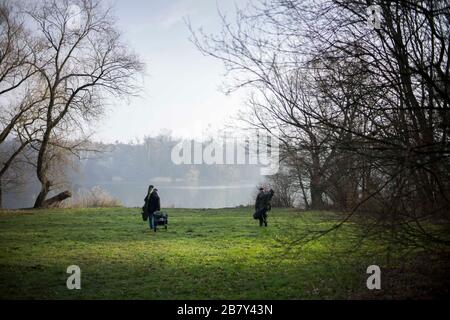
(263, 218)
(152, 221)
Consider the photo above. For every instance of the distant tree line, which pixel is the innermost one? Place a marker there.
(150, 159)
(119, 166)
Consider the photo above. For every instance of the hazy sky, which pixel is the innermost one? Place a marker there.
(182, 87)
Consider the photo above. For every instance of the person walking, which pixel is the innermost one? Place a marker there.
(152, 204)
(262, 205)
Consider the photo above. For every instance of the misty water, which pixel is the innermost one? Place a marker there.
(182, 196)
(131, 194)
(124, 172)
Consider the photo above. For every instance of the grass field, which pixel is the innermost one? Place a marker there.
(204, 254)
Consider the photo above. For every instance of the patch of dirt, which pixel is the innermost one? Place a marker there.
(424, 277)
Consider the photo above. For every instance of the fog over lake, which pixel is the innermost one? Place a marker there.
(182, 196)
(124, 172)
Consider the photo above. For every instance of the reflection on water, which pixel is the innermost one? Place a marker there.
(182, 196)
(132, 194)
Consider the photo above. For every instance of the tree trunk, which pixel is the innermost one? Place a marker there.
(316, 195)
(45, 188)
(57, 199)
(41, 170)
(315, 184)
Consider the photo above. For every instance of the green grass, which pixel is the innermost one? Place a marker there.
(204, 254)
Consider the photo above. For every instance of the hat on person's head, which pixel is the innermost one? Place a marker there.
(261, 189)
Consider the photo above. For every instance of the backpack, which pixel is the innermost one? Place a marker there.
(144, 215)
(258, 214)
(144, 209)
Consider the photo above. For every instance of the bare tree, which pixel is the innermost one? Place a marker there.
(15, 64)
(405, 135)
(82, 60)
(285, 192)
(363, 112)
(19, 96)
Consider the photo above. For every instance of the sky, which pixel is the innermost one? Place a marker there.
(181, 89)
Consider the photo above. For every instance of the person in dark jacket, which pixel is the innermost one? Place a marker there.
(152, 204)
(262, 205)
